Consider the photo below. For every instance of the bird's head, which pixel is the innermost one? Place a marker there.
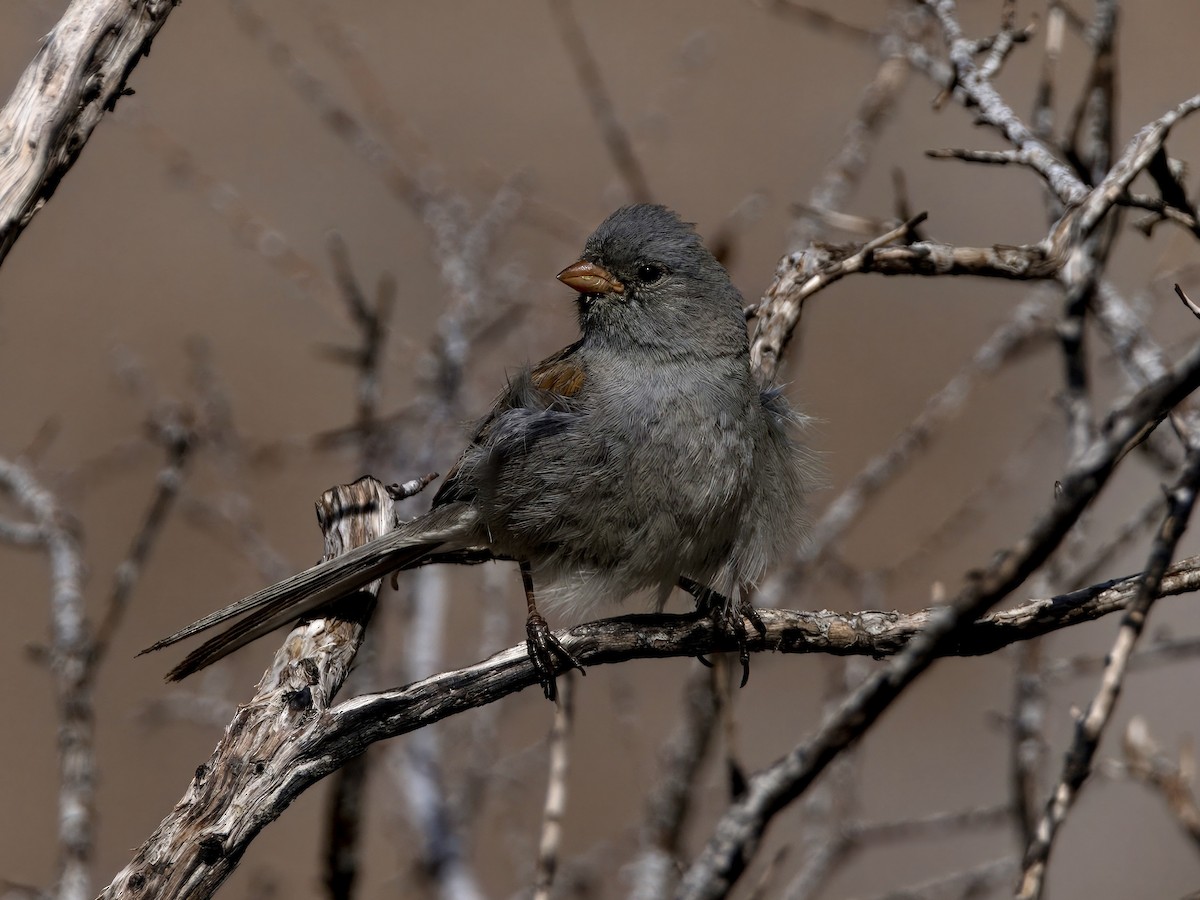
(646, 279)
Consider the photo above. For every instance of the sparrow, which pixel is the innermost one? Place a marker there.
(644, 456)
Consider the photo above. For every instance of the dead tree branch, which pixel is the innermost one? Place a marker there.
(739, 832)
(70, 662)
(77, 76)
(1173, 779)
(205, 836)
(198, 844)
(1089, 728)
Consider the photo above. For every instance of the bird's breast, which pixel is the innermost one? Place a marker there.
(686, 433)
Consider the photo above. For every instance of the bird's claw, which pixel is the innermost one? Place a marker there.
(730, 617)
(543, 647)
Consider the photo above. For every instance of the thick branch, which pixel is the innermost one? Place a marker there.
(306, 745)
(200, 842)
(76, 76)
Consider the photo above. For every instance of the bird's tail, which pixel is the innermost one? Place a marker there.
(445, 528)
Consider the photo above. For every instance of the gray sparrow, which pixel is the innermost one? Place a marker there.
(644, 456)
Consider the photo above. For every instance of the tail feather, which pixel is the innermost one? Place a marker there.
(448, 528)
(265, 619)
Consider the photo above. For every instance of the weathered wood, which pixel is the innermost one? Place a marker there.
(199, 843)
(272, 753)
(76, 76)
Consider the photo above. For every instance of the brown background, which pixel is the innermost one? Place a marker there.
(724, 100)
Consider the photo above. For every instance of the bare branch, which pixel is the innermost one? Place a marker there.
(738, 833)
(178, 440)
(991, 157)
(1174, 203)
(1027, 747)
(977, 881)
(971, 86)
(70, 659)
(1092, 151)
(209, 829)
(333, 114)
(797, 279)
(1090, 726)
(20, 534)
(1159, 652)
(1174, 779)
(1028, 323)
(372, 91)
(372, 319)
(935, 825)
(419, 764)
(313, 745)
(1082, 220)
(343, 827)
(852, 838)
(820, 20)
(555, 806)
(251, 230)
(78, 74)
(668, 806)
(1188, 302)
(587, 70)
(845, 171)
(999, 47)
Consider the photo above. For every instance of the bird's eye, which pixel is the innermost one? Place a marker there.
(650, 273)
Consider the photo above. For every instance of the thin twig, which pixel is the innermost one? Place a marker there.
(1028, 324)
(1188, 302)
(1027, 745)
(779, 311)
(821, 20)
(178, 440)
(977, 881)
(842, 174)
(1161, 651)
(335, 115)
(990, 157)
(253, 231)
(587, 71)
(555, 806)
(669, 804)
(1173, 779)
(70, 658)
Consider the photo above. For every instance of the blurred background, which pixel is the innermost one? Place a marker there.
(185, 259)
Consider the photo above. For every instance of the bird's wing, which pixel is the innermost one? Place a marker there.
(302, 593)
(550, 386)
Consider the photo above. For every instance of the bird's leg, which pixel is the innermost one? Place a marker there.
(727, 616)
(543, 646)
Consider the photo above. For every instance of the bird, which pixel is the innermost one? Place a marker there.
(644, 456)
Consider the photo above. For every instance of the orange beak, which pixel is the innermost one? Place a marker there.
(589, 278)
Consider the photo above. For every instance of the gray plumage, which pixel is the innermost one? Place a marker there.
(644, 453)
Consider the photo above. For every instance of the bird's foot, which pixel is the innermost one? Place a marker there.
(729, 616)
(543, 648)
